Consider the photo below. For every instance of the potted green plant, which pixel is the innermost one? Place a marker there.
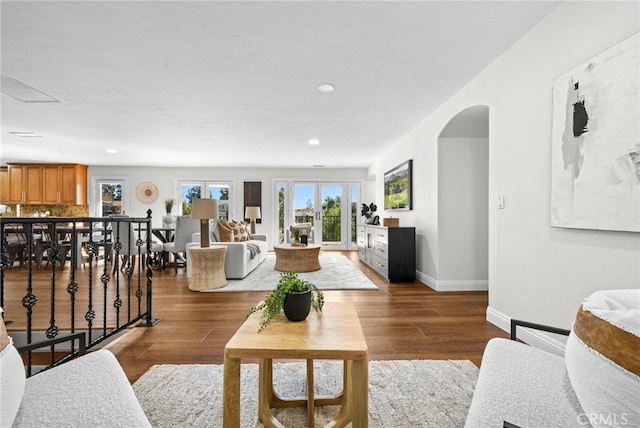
(293, 295)
(168, 220)
(168, 205)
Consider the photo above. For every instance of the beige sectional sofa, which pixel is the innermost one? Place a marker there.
(241, 258)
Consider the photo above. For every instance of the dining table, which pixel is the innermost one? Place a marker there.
(164, 234)
(65, 234)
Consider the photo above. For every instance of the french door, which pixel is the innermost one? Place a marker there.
(322, 206)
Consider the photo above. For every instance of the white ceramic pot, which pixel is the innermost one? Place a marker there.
(168, 221)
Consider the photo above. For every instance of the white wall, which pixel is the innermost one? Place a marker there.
(463, 222)
(165, 179)
(535, 272)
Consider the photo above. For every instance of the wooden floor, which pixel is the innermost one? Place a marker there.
(399, 320)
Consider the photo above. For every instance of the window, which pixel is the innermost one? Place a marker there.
(108, 197)
(281, 192)
(354, 193)
(220, 190)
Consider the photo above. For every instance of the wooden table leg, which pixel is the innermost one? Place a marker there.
(266, 395)
(360, 397)
(310, 394)
(231, 393)
(345, 415)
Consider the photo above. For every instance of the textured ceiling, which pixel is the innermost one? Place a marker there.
(235, 83)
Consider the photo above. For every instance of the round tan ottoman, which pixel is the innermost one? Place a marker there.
(297, 259)
(207, 268)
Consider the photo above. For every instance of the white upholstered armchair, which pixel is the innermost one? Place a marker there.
(304, 228)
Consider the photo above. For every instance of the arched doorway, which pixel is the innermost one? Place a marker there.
(463, 201)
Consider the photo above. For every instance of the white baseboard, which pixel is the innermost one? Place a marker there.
(452, 285)
(537, 339)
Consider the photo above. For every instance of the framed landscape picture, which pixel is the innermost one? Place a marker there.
(595, 142)
(398, 187)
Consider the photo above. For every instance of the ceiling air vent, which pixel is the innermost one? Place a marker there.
(23, 92)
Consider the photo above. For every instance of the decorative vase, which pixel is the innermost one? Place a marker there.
(168, 221)
(297, 305)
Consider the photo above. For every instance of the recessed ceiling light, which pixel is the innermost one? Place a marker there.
(326, 88)
(314, 141)
(112, 151)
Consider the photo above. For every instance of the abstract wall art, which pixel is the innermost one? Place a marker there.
(595, 153)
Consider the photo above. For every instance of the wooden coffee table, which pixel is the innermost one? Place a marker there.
(333, 334)
(297, 259)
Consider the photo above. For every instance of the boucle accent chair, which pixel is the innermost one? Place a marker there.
(596, 384)
(90, 391)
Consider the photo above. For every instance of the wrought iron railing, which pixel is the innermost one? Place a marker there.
(330, 226)
(72, 275)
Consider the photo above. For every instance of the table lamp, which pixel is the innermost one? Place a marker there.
(204, 210)
(252, 213)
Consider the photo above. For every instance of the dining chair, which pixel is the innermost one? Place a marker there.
(123, 242)
(98, 239)
(40, 243)
(156, 251)
(59, 246)
(15, 245)
(185, 228)
(44, 240)
(125, 236)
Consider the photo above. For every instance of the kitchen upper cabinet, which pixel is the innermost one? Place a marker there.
(47, 184)
(4, 185)
(64, 184)
(25, 184)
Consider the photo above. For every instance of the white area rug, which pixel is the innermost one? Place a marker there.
(337, 273)
(415, 393)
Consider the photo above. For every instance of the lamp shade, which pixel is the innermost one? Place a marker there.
(252, 213)
(204, 209)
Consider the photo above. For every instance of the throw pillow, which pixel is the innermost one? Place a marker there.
(602, 359)
(239, 229)
(12, 378)
(225, 232)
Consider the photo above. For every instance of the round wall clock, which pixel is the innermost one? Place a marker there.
(147, 192)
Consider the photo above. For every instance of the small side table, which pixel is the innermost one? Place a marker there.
(207, 268)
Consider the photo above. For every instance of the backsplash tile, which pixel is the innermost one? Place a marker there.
(54, 210)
